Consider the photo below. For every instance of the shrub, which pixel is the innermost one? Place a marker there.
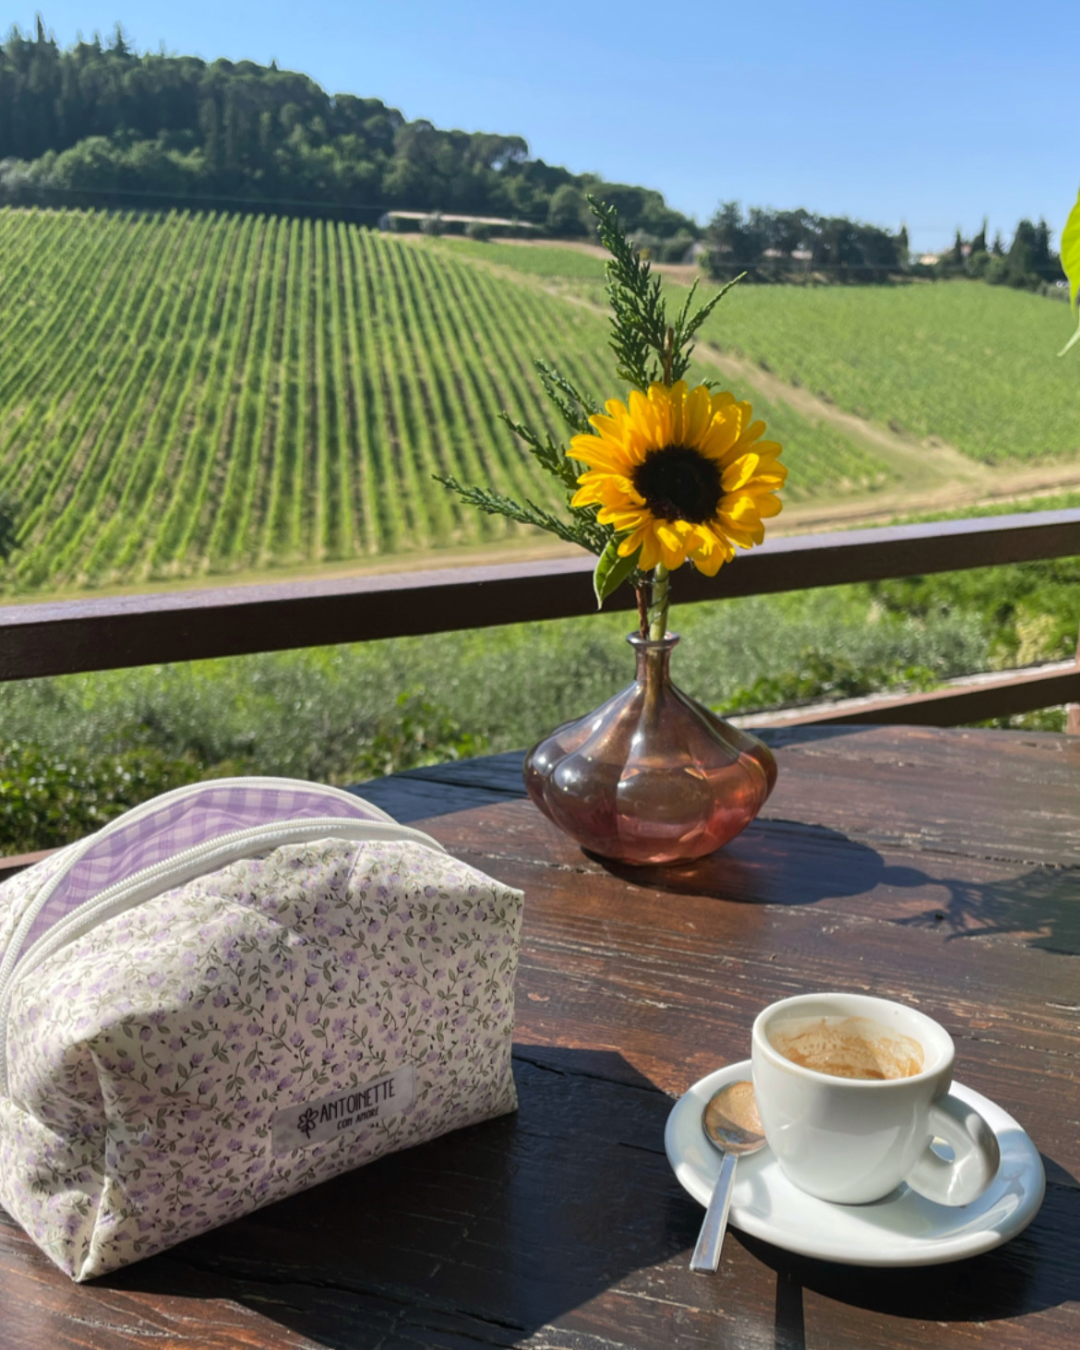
(48, 800)
(675, 249)
(978, 264)
(997, 271)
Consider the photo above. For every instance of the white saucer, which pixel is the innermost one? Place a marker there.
(901, 1230)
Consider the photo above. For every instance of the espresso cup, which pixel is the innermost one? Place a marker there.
(852, 1090)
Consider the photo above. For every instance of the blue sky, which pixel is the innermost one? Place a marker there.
(934, 114)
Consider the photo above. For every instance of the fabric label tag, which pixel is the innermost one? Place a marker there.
(343, 1113)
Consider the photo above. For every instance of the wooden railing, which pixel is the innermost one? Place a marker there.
(146, 629)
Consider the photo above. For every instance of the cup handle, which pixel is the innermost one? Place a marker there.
(975, 1149)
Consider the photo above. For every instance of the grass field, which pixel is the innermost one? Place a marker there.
(972, 364)
(959, 361)
(187, 394)
(540, 260)
(195, 395)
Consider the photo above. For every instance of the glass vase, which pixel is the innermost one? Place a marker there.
(651, 776)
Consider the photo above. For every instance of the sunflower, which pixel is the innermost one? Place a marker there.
(681, 473)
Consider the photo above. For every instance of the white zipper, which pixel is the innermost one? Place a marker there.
(165, 799)
(174, 871)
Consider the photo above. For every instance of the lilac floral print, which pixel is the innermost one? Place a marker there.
(147, 1059)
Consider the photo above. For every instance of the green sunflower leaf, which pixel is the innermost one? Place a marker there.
(1070, 261)
(612, 571)
(1070, 251)
(1071, 342)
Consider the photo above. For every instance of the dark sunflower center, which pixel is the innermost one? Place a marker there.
(679, 484)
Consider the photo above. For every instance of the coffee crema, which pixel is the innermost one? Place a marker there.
(849, 1047)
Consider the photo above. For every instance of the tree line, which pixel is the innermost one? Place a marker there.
(1028, 263)
(775, 244)
(781, 245)
(100, 124)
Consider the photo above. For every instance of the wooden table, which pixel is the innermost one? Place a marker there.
(941, 867)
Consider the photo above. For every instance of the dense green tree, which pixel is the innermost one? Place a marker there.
(568, 213)
(736, 243)
(1030, 261)
(103, 125)
(764, 243)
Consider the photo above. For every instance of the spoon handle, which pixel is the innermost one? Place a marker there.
(706, 1255)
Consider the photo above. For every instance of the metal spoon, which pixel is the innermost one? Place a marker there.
(731, 1123)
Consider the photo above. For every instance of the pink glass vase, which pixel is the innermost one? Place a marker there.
(651, 776)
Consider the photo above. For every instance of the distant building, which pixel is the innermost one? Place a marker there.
(799, 255)
(387, 221)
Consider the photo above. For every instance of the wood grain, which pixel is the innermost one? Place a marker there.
(938, 867)
(108, 633)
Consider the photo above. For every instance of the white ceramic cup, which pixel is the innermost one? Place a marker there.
(853, 1140)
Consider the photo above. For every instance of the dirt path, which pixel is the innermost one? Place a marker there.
(808, 518)
(919, 463)
(934, 476)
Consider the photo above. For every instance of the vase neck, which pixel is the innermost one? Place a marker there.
(653, 657)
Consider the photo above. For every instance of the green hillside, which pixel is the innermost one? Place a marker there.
(971, 364)
(189, 393)
(957, 360)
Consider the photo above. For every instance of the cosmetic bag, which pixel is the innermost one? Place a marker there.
(228, 994)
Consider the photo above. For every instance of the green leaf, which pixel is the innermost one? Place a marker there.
(1071, 342)
(612, 571)
(1070, 253)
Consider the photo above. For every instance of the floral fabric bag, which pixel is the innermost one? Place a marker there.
(230, 993)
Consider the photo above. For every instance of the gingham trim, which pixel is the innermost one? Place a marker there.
(155, 836)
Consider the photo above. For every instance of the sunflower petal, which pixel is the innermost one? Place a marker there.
(650, 551)
(716, 427)
(739, 472)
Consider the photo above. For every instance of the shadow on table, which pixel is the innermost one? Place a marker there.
(1041, 905)
(777, 863)
(482, 1236)
(1038, 1270)
(565, 1213)
(787, 863)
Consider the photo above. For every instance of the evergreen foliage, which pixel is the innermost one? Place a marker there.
(784, 245)
(646, 347)
(773, 244)
(647, 350)
(100, 124)
(1028, 264)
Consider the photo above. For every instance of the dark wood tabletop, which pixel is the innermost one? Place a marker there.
(936, 867)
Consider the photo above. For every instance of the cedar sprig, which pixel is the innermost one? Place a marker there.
(647, 348)
(576, 409)
(582, 528)
(638, 312)
(549, 455)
